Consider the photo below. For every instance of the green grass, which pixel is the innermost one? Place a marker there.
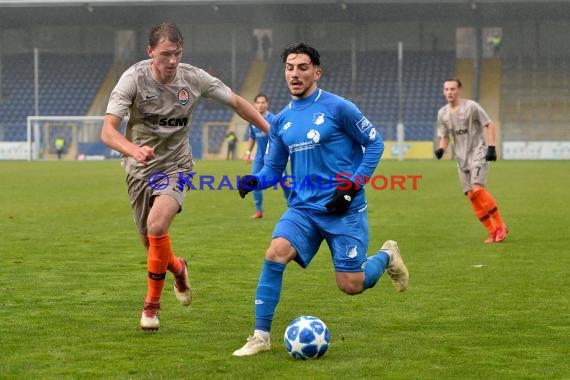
(72, 281)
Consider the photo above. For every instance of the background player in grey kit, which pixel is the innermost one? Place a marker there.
(159, 95)
(473, 134)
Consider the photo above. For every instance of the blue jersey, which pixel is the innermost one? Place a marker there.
(261, 139)
(329, 142)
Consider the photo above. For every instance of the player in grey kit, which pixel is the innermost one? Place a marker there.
(159, 95)
(473, 134)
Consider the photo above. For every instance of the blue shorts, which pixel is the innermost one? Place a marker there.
(346, 236)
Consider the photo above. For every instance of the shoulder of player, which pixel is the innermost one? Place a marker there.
(138, 67)
(336, 103)
(269, 117)
(186, 68)
(326, 97)
(443, 110)
(470, 103)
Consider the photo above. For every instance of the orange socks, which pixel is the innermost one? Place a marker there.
(480, 211)
(159, 259)
(485, 209)
(491, 206)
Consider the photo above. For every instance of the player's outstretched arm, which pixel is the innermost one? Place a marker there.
(247, 155)
(341, 199)
(443, 142)
(248, 112)
(247, 183)
(491, 151)
(111, 137)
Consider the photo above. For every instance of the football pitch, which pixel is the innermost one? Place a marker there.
(73, 280)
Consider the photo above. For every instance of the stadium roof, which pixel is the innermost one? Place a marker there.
(51, 3)
(133, 13)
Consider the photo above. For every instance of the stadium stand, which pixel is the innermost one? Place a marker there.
(535, 98)
(69, 83)
(67, 86)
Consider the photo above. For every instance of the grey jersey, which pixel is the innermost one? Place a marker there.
(160, 114)
(467, 126)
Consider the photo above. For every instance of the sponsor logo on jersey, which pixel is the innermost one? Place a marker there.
(174, 122)
(363, 124)
(318, 118)
(372, 134)
(287, 125)
(314, 135)
(183, 97)
(154, 119)
(461, 131)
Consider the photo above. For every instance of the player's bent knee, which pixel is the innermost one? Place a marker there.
(157, 229)
(349, 285)
(280, 251)
(351, 289)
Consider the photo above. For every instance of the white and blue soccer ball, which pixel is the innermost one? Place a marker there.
(307, 337)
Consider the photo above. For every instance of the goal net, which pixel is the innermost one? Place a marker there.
(67, 138)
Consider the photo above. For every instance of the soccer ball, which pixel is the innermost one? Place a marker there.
(307, 337)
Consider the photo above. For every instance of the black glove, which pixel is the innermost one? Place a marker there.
(491, 153)
(341, 200)
(247, 184)
(439, 153)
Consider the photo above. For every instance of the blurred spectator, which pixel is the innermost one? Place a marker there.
(232, 139)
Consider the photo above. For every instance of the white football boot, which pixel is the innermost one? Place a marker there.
(149, 318)
(182, 289)
(396, 268)
(254, 345)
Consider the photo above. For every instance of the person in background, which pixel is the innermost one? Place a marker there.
(256, 136)
(473, 134)
(232, 140)
(59, 146)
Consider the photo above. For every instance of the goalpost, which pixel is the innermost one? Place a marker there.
(81, 136)
(214, 145)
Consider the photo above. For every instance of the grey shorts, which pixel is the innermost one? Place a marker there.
(477, 174)
(142, 193)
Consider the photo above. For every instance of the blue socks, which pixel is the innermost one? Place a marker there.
(373, 267)
(258, 200)
(270, 283)
(268, 294)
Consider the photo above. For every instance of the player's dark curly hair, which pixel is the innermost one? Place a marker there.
(261, 95)
(302, 48)
(165, 30)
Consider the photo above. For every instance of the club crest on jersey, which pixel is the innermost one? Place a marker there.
(318, 118)
(183, 97)
(351, 251)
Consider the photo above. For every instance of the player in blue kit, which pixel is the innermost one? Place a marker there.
(333, 150)
(257, 136)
